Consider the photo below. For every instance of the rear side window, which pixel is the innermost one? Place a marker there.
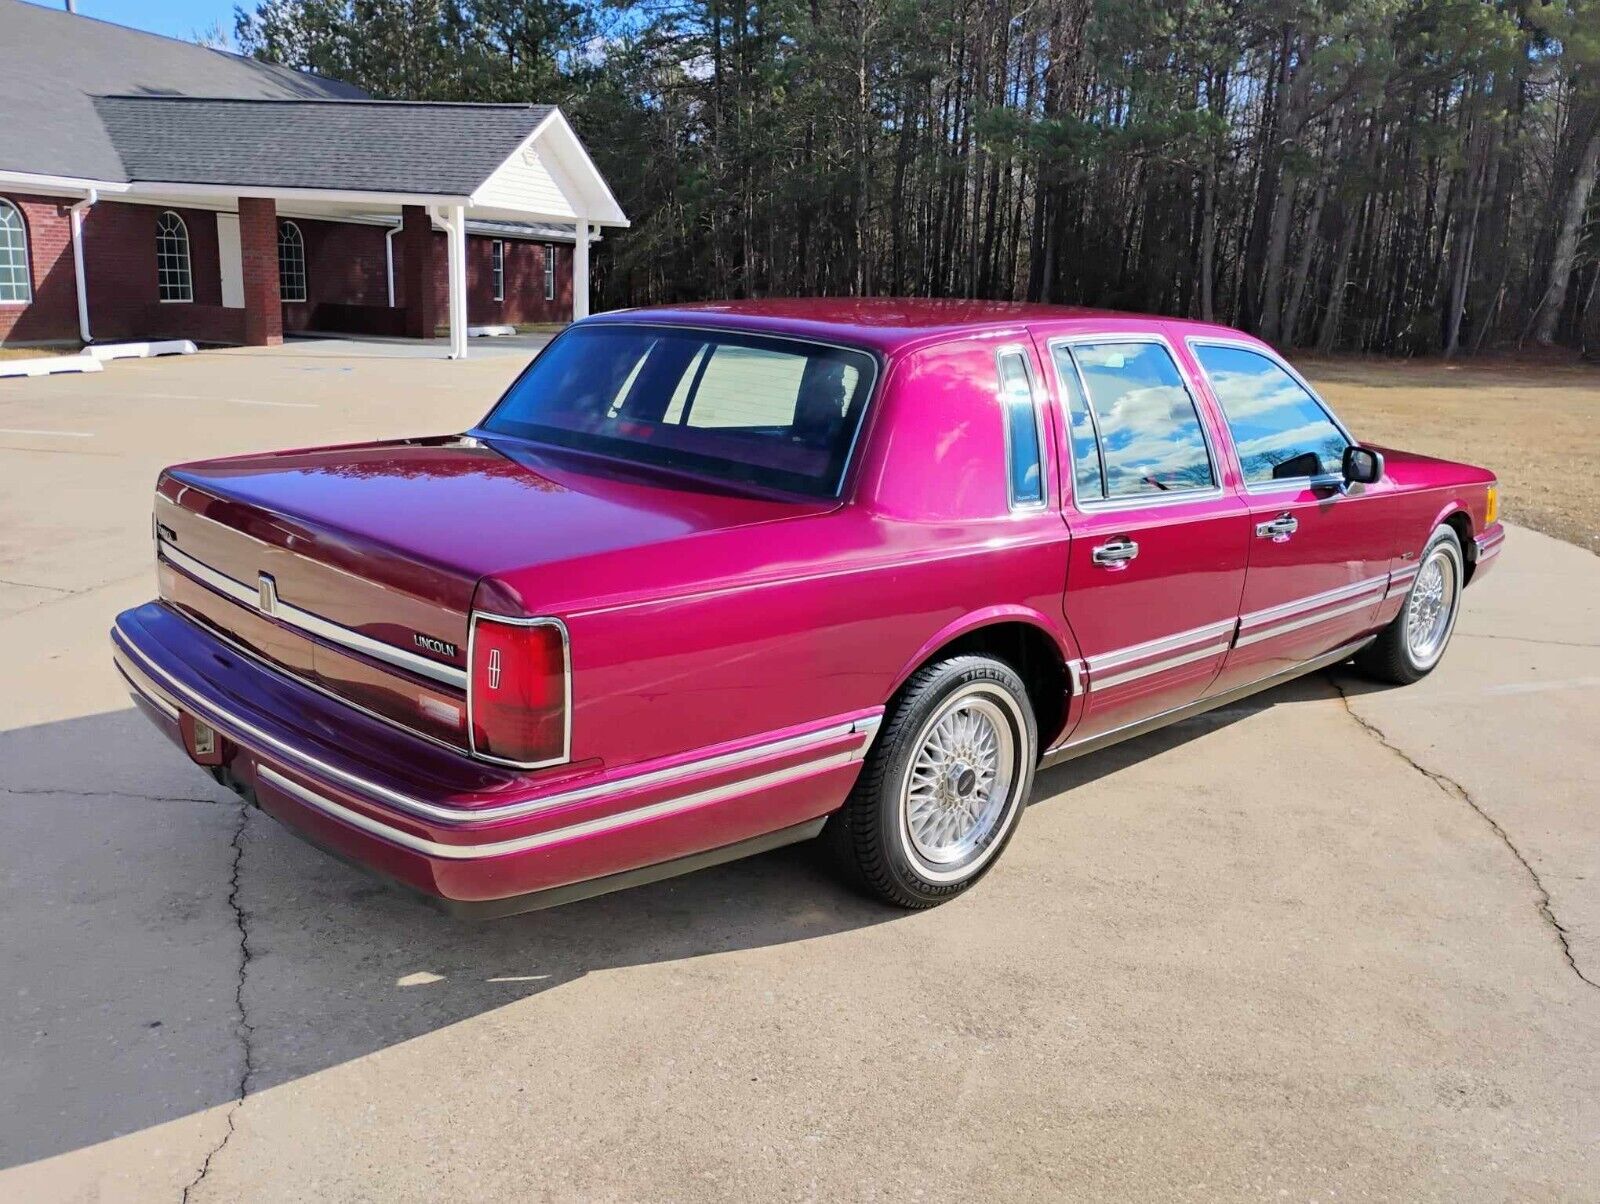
(1279, 429)
(1022, 429)
(776, 413)
(1135, 430)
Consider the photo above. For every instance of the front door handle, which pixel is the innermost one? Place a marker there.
(1278, 529)
(1116, 553)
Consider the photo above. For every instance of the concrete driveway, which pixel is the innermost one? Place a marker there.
(1336, 943)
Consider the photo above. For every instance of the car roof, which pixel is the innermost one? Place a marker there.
(889, 324)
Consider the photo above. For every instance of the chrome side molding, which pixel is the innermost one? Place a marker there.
(167, 693)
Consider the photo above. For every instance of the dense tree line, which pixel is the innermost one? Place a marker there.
(1372, 175)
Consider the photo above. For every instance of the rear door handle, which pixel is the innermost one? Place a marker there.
(1278, 529)
(1115, 553)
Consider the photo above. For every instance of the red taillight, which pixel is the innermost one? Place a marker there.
(517, 692)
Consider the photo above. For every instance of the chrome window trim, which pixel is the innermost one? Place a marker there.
(1287, 483)
(1140, 501)
(312, 624)
(566, 693)
(1021, 351)
(243, 732)
(869, 402)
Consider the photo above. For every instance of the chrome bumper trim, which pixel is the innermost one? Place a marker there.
(243, 732)
(312, 624)
(540, 840)
(146, 692)
(1488, 546)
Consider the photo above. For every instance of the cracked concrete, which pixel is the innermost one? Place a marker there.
(1455, 790)
(1261, 955)
(246, 1028)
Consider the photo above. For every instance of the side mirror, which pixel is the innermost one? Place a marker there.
(1362, 465)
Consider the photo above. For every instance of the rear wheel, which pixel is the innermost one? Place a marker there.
(1414, 641)
(943, 787)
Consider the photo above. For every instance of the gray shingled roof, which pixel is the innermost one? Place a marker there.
(52, 64)
(366, 145)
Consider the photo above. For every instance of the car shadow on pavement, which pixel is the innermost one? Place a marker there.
(154, 929)
(132, 889)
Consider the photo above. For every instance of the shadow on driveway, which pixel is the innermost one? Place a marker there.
(124, 898)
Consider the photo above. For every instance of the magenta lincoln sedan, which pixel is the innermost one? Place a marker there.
(711, 579)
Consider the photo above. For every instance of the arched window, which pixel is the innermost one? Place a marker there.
(174, 281)
(15, 283)
(291, 262)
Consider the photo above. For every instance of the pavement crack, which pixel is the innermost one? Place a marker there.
(243, 1025)
(1525, 639)
(1459, 792)
(54, 589)
(127, 794)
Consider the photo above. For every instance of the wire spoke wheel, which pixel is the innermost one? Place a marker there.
(1431, 607)
(959, 786)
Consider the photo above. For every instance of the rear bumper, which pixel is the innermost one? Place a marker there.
(474, 836)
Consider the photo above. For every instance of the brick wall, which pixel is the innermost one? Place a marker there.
(346, 278)
(52, 316)
(258, 253)
(524, 291)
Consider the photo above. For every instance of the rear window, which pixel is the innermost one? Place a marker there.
(777, 413)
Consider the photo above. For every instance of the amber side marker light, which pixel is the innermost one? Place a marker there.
(1491, 512)
(518, 694)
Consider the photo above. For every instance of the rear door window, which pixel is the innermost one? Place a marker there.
(1135, 431)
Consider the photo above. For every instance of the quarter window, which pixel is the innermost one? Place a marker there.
(497, 263)
(291, 262)
(1147, 434)
(1022, 430)
(1279, 429)
(174, 281)
(15, 283)
(549, 272)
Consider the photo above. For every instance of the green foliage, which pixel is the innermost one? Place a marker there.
(1376, 174)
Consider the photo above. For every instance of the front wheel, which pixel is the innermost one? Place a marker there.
(943, 788)
(1414, 641)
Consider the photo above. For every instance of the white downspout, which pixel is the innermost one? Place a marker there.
(77, 211)
(455, 229)
(388, 255)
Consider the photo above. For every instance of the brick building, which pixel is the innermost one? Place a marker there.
(150, 188)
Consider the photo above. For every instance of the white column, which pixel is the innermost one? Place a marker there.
(580, 271)
(456, 242)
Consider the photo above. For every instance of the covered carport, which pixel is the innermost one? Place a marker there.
(416, 166)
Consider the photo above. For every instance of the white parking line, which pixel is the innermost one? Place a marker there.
(51, 434)
(237, 401)
(288, 405)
